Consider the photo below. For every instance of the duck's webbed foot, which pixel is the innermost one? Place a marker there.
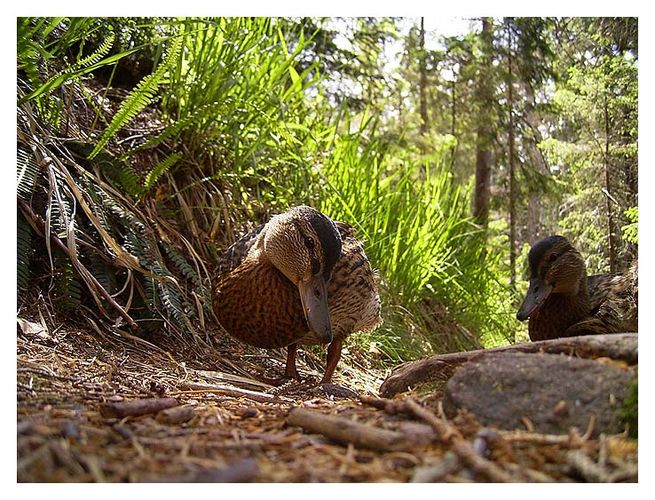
(290, 371)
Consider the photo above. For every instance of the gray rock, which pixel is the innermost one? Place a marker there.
(556, 392)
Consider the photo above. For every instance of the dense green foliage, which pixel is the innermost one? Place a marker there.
(164, 139)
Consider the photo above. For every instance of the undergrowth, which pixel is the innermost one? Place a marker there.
(241, 132)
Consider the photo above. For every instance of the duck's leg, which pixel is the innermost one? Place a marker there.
(333, 357)
(291, 370)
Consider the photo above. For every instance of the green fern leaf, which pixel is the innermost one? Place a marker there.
(24, 252)
(161, 168)
(182, 264)
(138, 99)
(200, 115)
(93, 58)
(27, 173)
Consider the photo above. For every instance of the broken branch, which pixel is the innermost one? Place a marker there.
(346, 431)
(135, 408)
(260, 397)
(621, 346)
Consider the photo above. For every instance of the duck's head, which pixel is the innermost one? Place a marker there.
(305, 245)
(555, 268)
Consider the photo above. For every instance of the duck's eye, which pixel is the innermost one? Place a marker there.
(309, 243)
(553, 257)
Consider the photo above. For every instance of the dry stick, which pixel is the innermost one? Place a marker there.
(587, 468)
(449, 464)
(175, 415)
(245, 471)
(346, 431)
(622, 346)
(36, 219)
(196, 387)
(136, 407)
(462, 448)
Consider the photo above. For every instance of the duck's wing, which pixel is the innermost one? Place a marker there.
(235, 253)
(345, 229)
(613, 299)
(599, 287)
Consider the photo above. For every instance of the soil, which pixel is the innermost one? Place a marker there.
(227, 425)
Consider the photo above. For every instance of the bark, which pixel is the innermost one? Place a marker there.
(512, 175)
(423, 80)
(484, 132)
(611, 247)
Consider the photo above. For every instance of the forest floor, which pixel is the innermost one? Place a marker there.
(76, 386)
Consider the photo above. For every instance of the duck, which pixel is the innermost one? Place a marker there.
(562, 301)
(301, 278)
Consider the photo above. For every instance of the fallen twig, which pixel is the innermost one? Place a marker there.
(261, 397)
(244, 471)
(135, 408)
(346, 431)
(462, 448)
(175, 415)
(449, 464)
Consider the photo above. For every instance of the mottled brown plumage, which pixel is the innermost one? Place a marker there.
(277, 284)
(562, 301)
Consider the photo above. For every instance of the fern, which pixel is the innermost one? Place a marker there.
(93, 58)
(125, 177)
(67, 284)
(27, 173)
(182, 264)
(102, 271)
(158, 170)
(24, 252)
(138, 99)
(206, 111)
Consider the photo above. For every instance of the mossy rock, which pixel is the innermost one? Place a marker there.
(555, 392)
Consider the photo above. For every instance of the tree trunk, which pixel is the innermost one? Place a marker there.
(484, 131)
(510, 154)
(536, 162)
(611, 247)
(453, 122)
(423, 80)
(533, 230)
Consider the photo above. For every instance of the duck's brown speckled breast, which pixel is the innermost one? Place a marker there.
(256, 304)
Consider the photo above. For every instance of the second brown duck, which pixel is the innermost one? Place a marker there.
(562, 301)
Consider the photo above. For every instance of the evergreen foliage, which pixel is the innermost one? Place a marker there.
(147, 146)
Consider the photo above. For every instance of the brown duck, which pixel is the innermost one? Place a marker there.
(301, 278)
(562, 301)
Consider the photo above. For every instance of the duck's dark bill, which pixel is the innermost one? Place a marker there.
(313, 296)
(538, 292)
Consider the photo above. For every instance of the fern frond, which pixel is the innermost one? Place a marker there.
(182, 265)
(67, 285)
(27, 173)
(138, 99)
(24, 252)
(200, 115)
(102, 271)
(160, 169)
(125, 177)
(93, 58)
